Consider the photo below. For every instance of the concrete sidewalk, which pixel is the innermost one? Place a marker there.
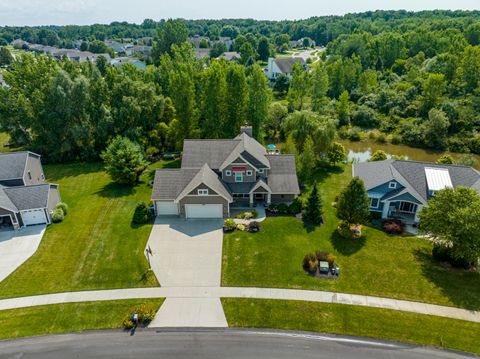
(240, 292)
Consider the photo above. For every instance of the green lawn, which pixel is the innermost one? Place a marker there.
(379, 265)
(71, 317)
(353, 320)
(96, 246)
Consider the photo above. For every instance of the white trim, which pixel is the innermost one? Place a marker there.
(202, 191)
(249, 173)
(235, 175)
(392, 185)
(228, 173)
(371, 202)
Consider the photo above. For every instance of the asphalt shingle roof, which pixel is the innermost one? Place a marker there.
(12, 165)
(282, 177)
(286, 64)
(6, 202)
(28, 197)
(213, 152)
(168, 183)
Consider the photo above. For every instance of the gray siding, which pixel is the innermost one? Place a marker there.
(33, 172)
(53, 198)
(202, 186)
(231, 179)
(203, 200)
(384, 189)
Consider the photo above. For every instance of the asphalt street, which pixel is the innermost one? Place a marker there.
(212, 344)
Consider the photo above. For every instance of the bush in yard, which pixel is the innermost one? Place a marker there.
(241, 227)
(444, 254)
(142, 214)
(124, 160)
(57, 215)
(245, 215)
(393, 227)
(229, 225)
(344, 230)
(145, 314)
(63, 206)
(273, 208)
(331, 259)
(128, 324)
(282, 208)
(310, 263)
(313, 208)
(321, 256)
(254, 226)
(296, 206)
(378, 155)
(254, 213)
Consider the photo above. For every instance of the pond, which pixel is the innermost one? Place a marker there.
(362, 150)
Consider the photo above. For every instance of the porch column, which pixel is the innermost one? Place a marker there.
(269, 198)
(386, 207)
(251, 199)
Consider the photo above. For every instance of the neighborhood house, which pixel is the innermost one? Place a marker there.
(219, 174)
(25, 198)
(399, 189)
(283, 66)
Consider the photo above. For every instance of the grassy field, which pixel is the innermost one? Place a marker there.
(96, 246)
(378, 265)
(71, 317)
(353, 320)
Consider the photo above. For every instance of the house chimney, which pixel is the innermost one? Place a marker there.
(247, 129)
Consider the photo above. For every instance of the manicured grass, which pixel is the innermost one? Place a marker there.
(96, 246)
(353, 320)
(379, 265)
(71, 317)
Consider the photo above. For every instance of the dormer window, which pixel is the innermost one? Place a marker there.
(249, 172)
(228, 173)
(202, 192)
(392, 185)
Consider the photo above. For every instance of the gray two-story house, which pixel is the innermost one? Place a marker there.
(399, 189)
(218, 174)
(25, 198)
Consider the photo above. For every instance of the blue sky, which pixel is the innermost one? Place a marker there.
(61, 12)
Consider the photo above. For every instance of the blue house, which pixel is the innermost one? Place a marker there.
(399, 189)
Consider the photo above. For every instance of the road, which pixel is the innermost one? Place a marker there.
(212, 344)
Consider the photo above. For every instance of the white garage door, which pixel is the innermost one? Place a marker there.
(203, 211)
(167, 208)
(35, 216)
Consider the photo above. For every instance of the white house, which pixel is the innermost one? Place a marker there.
(278, 66)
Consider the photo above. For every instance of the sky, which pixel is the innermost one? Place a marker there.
(82, 12)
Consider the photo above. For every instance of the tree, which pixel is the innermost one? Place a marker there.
(469, 68)
(446, 159)
(313, 208)
(204, 44)
(343, 109)
(299, 86)
(319, 87)
(353, 204)
(98, 47)
(214, 100)
(247, 53)
(263, 49)
(282, 41)
(281, 84)
(336, 153)
(217, 49)
(277, 113)
(432, 91)
(378, 155)
(6, 57)
(307, 160)
(174, 32)
(236, 100)
(435, 129)
(258, 99)
(124, 160)
(451, 218)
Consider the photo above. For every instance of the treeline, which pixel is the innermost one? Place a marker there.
(321, 29)
(69, 112)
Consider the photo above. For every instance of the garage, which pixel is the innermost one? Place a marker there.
(34, 216)
(204, 211)
(167, 208)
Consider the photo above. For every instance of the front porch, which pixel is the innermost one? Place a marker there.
(251, 200)
(403, 211)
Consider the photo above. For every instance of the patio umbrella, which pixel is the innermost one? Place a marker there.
(271, 147)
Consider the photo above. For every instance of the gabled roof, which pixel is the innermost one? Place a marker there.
(6, 202)
(286, 64)
(12, 165)
(261, 184)
(28, 197)
(412, 175)
(210, 179)
(250, 150)
(213, 152)
(282, 177)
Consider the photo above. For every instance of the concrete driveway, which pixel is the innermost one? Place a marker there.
(17, 246)
(186, 253)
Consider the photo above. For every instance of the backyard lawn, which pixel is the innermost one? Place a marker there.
(71, 317)
(96, 246)
(353, 320)
(379, 265)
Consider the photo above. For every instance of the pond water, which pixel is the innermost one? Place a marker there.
(362, 150)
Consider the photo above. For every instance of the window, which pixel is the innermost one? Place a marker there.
(29, 175)
(249, 172)
(42, 176)
(260, 170)
(407, 207)
(238, 177)
(374, 202)
(203, 192)
(392, 185)
(228, 173)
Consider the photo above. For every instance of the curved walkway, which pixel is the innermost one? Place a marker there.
(242, 292)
